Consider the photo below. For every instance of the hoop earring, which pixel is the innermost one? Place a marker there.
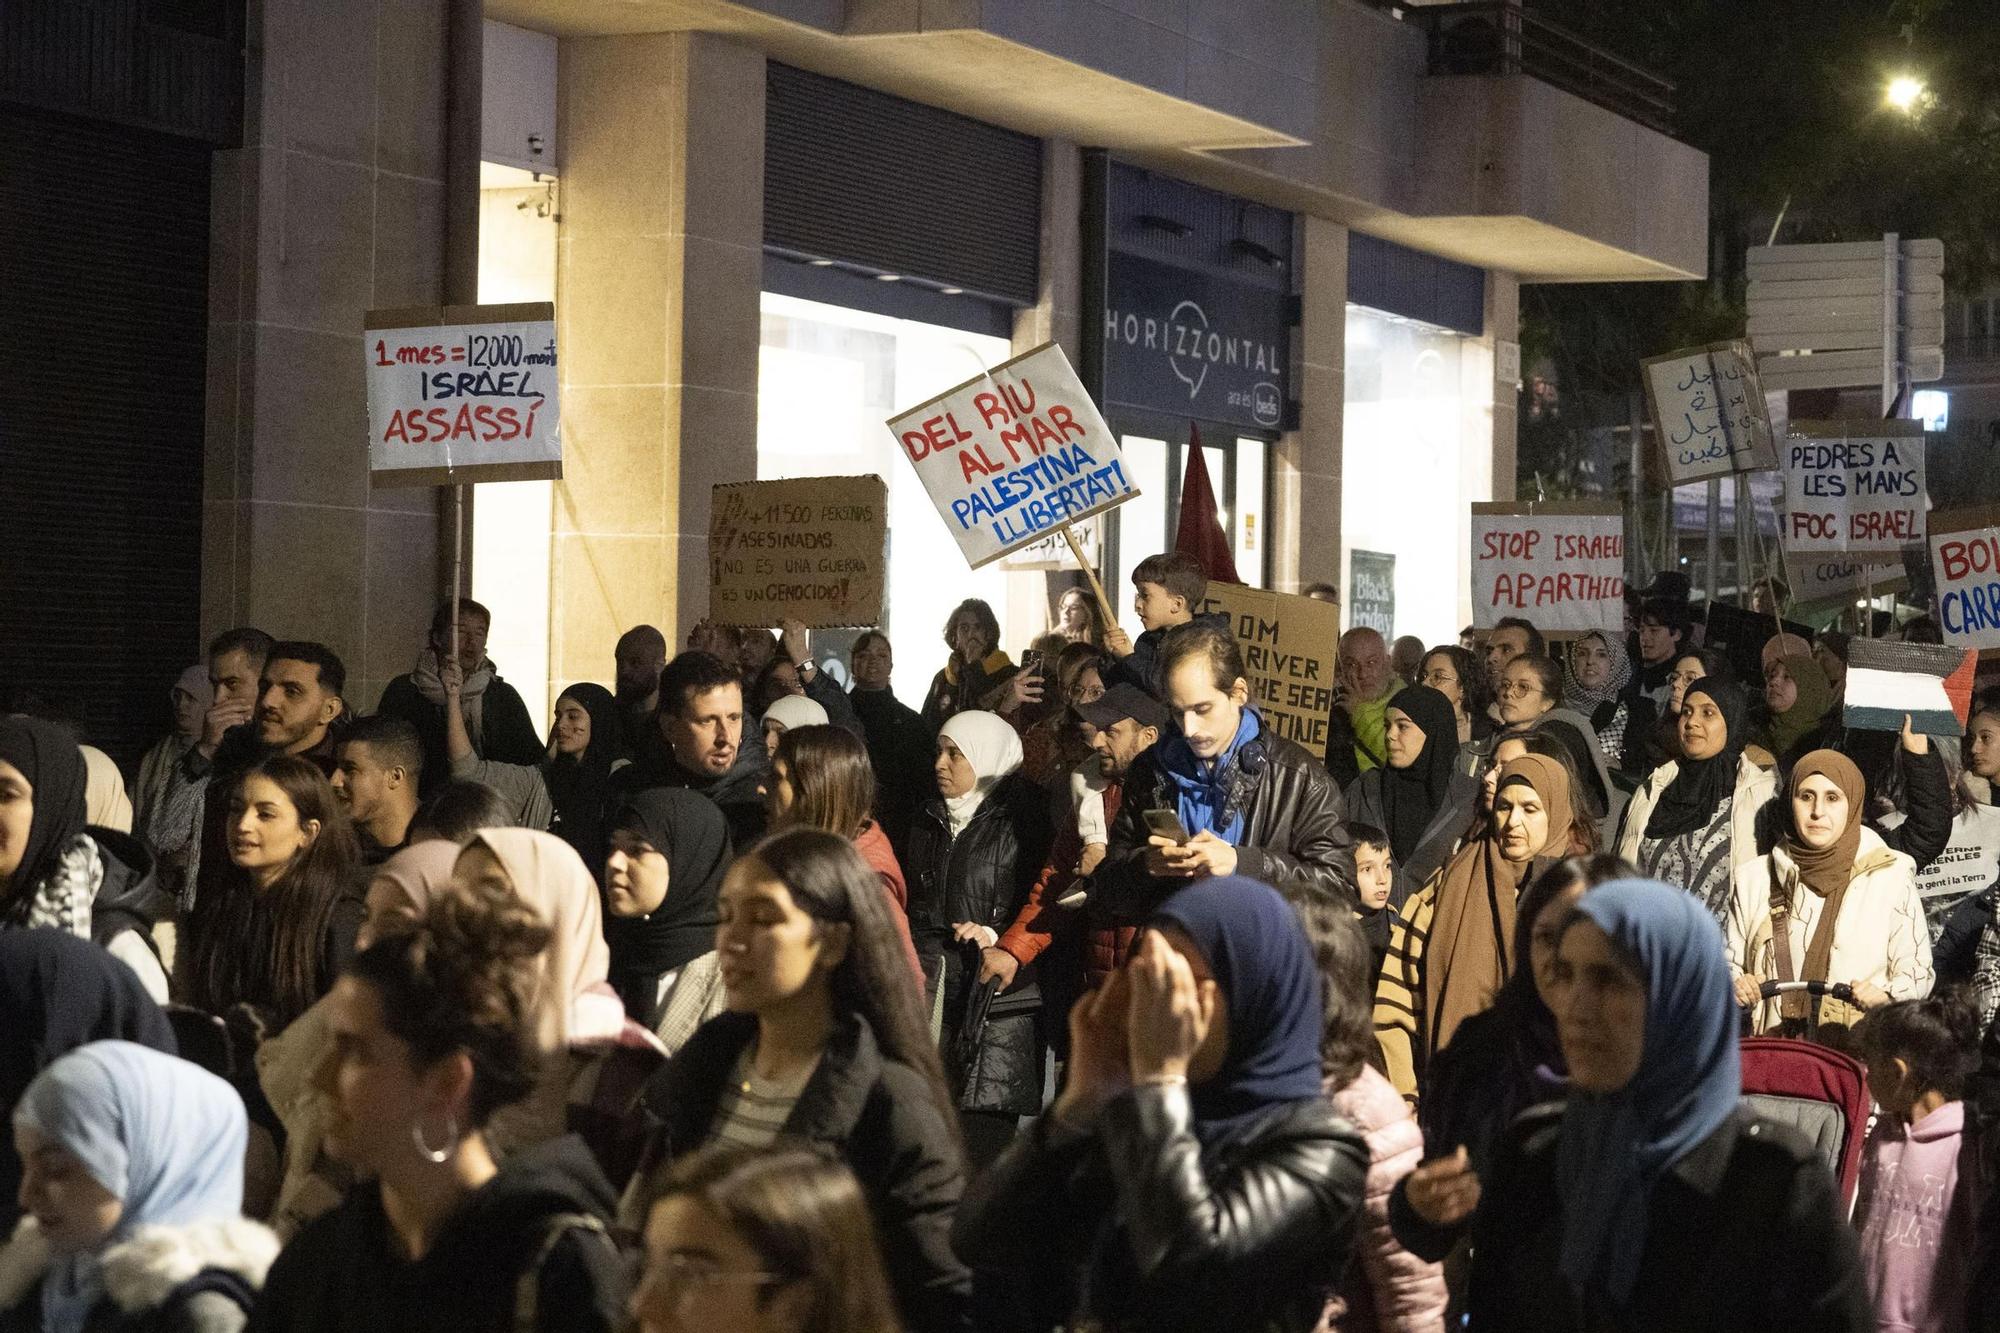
(437, 1156)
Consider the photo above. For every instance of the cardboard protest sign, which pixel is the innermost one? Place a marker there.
(1929, 683)
(1560, 565)
(461, 394)
(1011, 455)
(1740, 635)
(1820, 579)
(813, 549)
(1052, 553)
(1965, 560)
(1853, 486)
(1288, 652)
(1709, 411)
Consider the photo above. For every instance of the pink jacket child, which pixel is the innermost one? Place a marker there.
(1915, 1211)
(1388, 1289)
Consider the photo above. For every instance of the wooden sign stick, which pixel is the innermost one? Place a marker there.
(1109, 612)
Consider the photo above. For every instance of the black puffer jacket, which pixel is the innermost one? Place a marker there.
(983, 876)
(1292, 834)
(877, 1114)
(1137, 1225)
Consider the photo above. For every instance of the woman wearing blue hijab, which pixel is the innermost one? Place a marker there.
(1653, 1199)
(1191, 1175)
(132, 1176)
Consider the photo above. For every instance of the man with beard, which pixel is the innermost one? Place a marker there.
(697, 742)
(641, 656)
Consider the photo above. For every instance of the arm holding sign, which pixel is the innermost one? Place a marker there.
(1926, 827)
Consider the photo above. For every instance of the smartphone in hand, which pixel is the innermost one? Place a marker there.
(1166, 824)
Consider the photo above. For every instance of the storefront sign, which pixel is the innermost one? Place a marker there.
(813, 549)
(1965, 560)
(1288, 655)
(1186, 342)
(1853, 486)
(1012, 455)
(1709, 411)
(1560, 566)
(461, 394)
(1371, 591)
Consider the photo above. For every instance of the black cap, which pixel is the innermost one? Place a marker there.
(1122, 701)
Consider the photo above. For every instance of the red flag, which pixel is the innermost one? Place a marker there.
(1200, 534)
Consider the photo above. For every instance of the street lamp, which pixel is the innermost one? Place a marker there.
(1905, 93)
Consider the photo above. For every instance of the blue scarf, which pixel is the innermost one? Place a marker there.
(1202, 790)
(1615, 1146)
(163, 1135)
(1258, 954)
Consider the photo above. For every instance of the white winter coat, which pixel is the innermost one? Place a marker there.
(1754, 789)
(1880, 937)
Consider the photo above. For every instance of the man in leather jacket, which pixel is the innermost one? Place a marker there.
(1250, 802)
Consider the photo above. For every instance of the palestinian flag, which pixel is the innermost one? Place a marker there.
(1930, 682)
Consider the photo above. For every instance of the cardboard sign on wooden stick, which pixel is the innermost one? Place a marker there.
(812, 549)
(1709, 411)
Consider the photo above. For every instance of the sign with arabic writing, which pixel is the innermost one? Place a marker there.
(1709, 411)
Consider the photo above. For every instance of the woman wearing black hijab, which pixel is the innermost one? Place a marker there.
(58, 992)
(1416, 796)
(669, 850)
(580, 784)
(1696, 819)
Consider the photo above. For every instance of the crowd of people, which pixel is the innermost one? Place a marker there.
(1070, 996)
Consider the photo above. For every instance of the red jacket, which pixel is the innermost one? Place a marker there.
(873, 844)
(1105, 945)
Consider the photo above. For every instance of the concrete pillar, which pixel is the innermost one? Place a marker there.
(333, 206)
(660, 270)
(1306, 496)
(1503, 324)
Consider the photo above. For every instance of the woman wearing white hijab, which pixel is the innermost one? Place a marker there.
(788, 714)
(974, 852)
(133, 1181)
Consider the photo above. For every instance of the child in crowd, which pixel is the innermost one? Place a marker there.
(1374, 874)
(1919, 1178)
(1169, 587)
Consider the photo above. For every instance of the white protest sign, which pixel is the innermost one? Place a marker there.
(1709, 411)
(1965, 560)
(462, 394)
(1853, 486)
(1014, 454)
(1969, 862)
(1559, 565)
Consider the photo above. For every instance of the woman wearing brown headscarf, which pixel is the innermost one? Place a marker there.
(1452, 947)
(1830, 902)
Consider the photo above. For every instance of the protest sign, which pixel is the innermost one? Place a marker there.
(1288, 655)
(1965, 561)
(1928, 683)
(1558, 564)
(1014, 454)
(812, 549)
(462, 394)
(1709, 411)
(1052, 553)
(1969, 862)
(1819, 579)
(1853, 486)
(1371, 591)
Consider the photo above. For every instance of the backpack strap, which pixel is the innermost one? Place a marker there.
(1781, 926)
(528, 1287)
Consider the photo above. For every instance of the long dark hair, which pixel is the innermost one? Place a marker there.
(268, 947)
(466, 979)
(833, 784)
(805, 1216)
(832, 884)
(1347, 991)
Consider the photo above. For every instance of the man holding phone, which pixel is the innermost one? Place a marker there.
(1225, 796)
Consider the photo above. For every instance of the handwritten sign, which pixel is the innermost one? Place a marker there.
(809, 548)
(1965, 560)
(1371, 591)
(1818, 579)
(1709, 411)
(1969, 862)
(1289, 644)
(461, 394)
(1013, 454)
(1559, 565)
(1052, 553)
(1853, 486)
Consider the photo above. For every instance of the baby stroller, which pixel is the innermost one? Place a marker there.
(1821, 1092)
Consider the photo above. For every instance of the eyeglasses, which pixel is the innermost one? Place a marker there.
(1519, 689)
(680, 1276)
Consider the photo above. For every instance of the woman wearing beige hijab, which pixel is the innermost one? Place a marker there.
(398, 895)
(1451, 949)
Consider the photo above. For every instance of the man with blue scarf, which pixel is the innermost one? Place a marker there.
(1251, 802)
